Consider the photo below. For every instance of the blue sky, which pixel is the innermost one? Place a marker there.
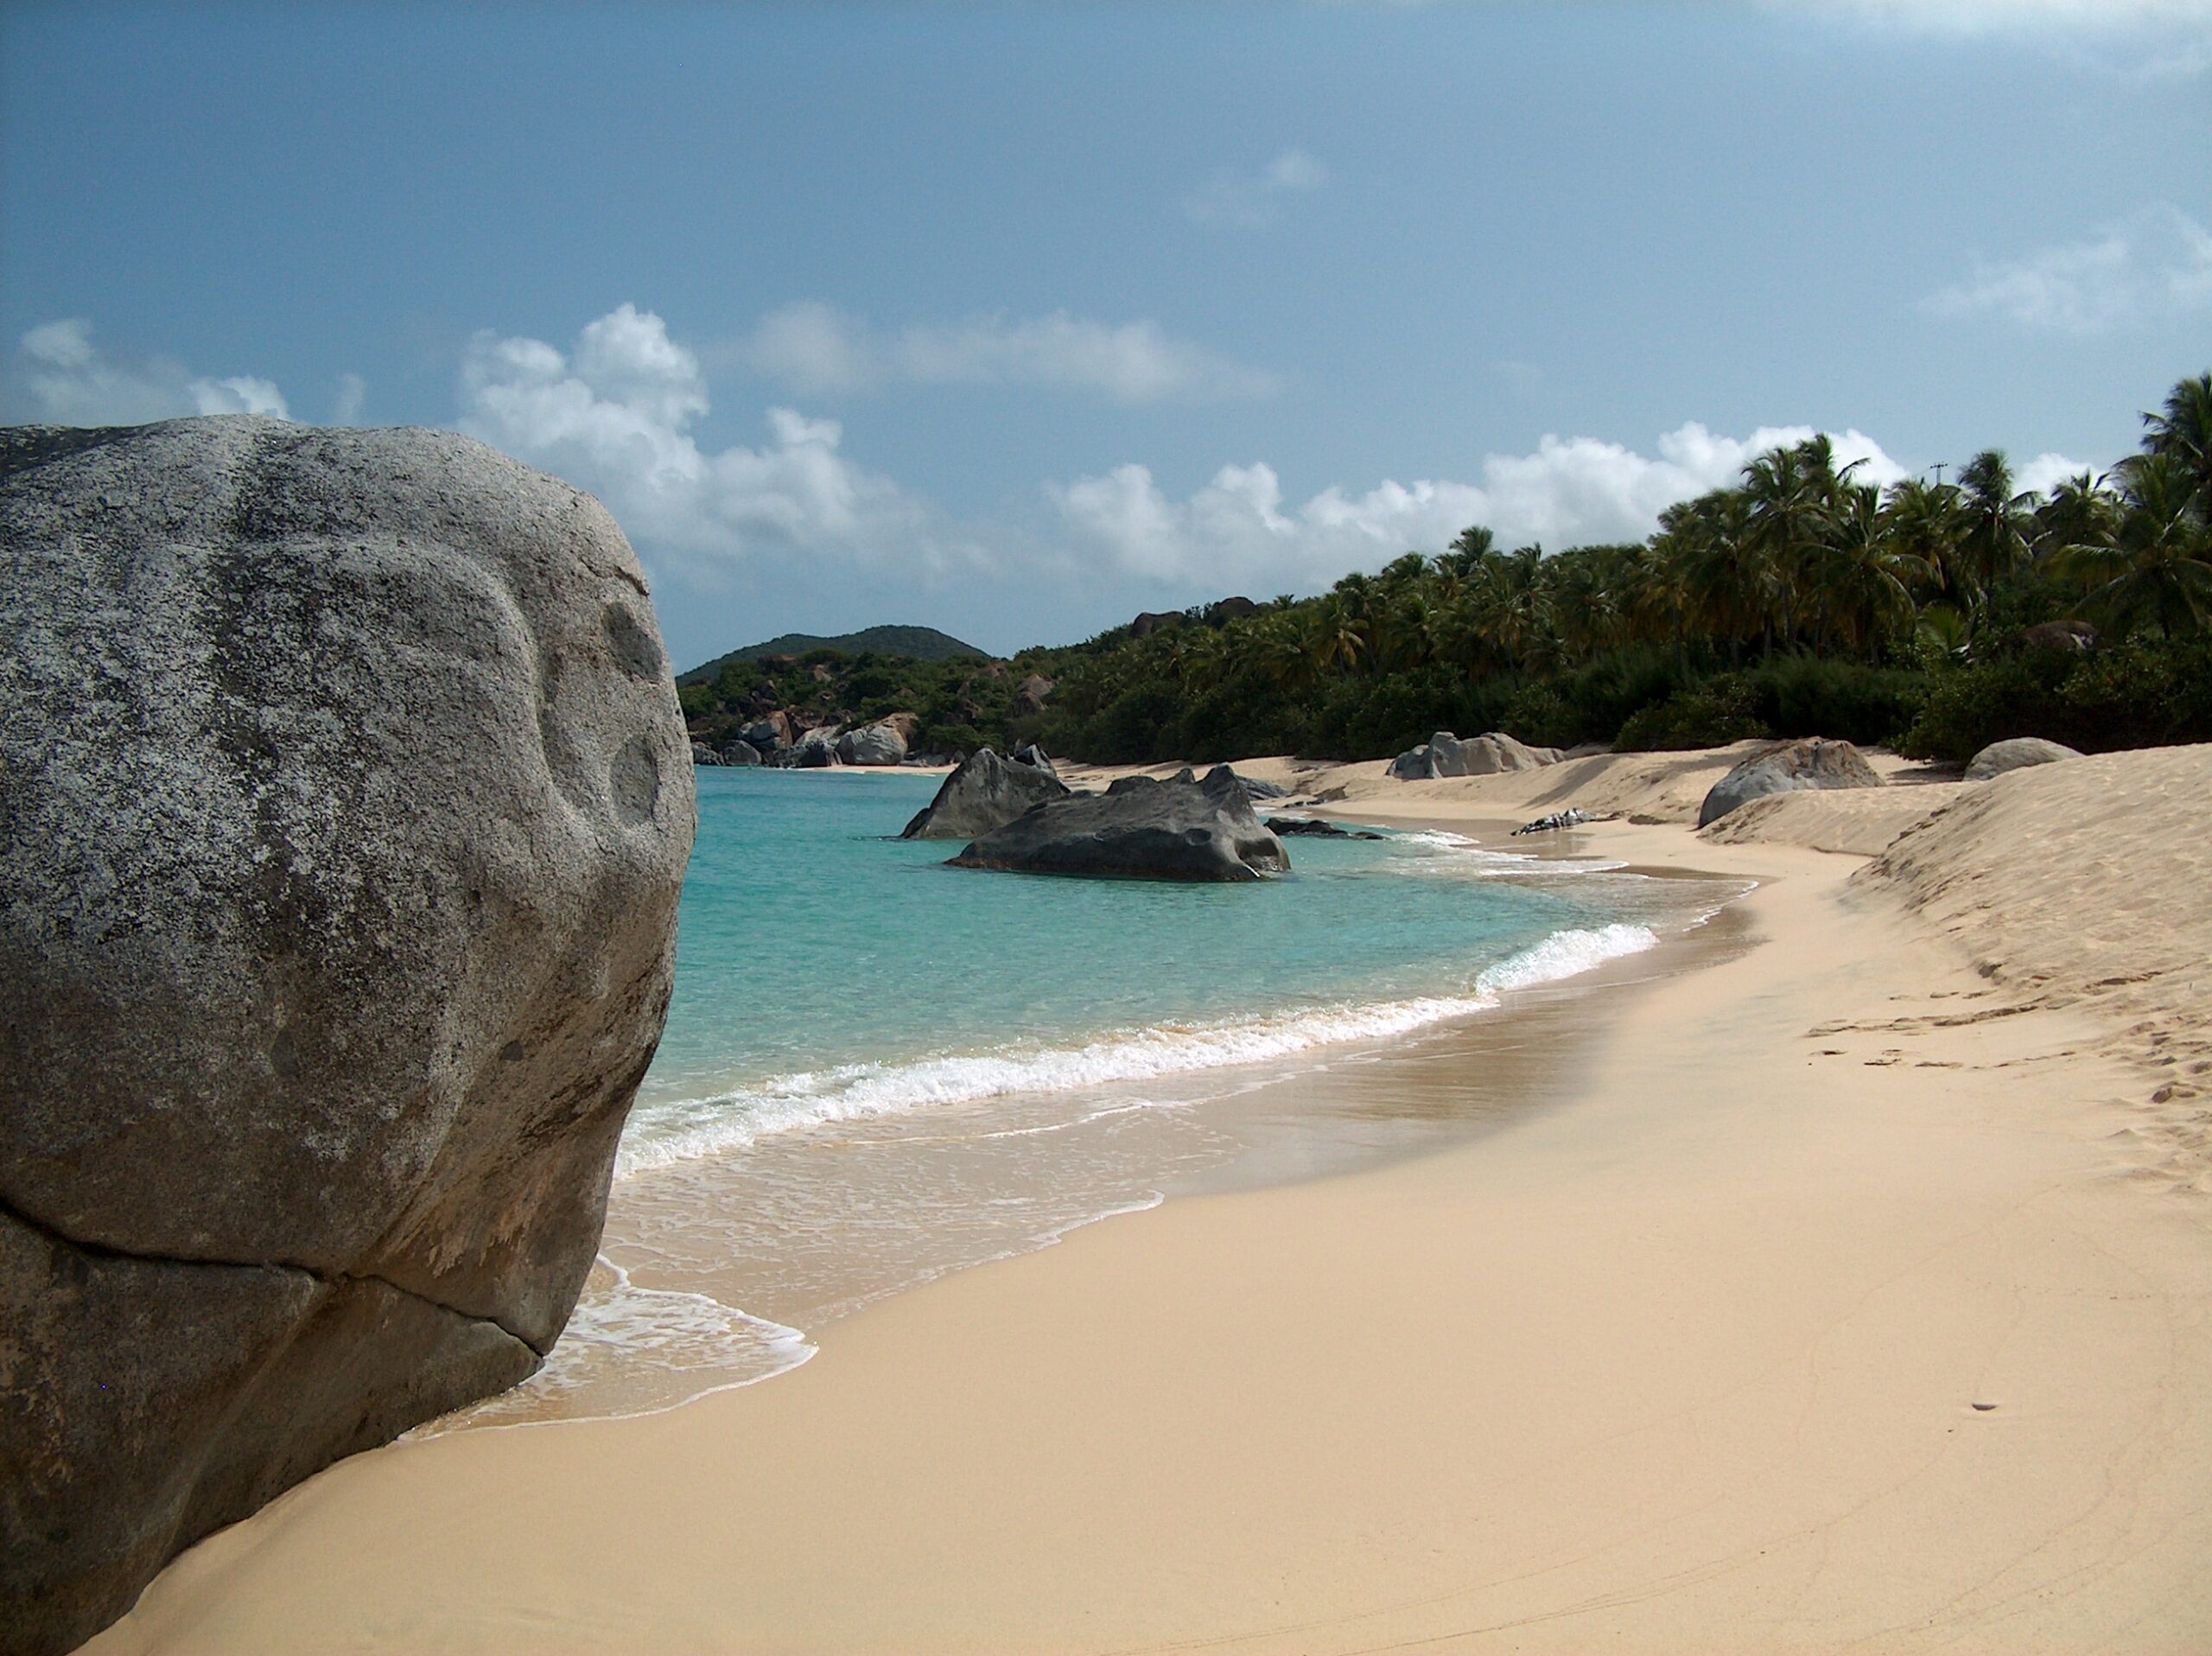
(1013, 319)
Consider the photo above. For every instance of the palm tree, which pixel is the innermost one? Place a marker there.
(1863, 584)
(1926, 523)
(2157, 570)
(2183, 432)
(2081, 511)
(1997, 519)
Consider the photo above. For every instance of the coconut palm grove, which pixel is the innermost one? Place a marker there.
(1934, 616)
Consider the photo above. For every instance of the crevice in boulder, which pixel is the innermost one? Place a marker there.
(60, 1237)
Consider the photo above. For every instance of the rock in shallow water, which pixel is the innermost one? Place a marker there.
(344, 804)
(1142, 829)
(985, 792)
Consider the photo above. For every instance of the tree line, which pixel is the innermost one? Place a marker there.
(1802, 600)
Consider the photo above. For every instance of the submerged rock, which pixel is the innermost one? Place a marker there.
(343, 803)
(1181, 828)
(1786, 767)
(983, 793)
(1314, 827)
(2017, 754)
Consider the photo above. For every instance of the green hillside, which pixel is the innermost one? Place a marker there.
(911, 643)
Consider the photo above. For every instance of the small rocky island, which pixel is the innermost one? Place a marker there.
(1140, 828)
(343, 803)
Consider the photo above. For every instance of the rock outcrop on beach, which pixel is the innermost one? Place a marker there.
(1444, 754)
(1181, 828)
(881, 743)
(815, 750)
(985, 792)
(1813, 762)
(344, 804)
(2016, 754)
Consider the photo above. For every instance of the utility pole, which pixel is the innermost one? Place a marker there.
(1939, 473)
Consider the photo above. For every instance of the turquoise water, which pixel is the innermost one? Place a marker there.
(879, 1069)
(828, 971)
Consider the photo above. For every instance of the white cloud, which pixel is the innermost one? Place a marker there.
(614, 417)
(1252, 199)
(346, 407)
(816, 348)
(2152, 265)
(1236, 530)
(2037, 475)
(62, 379)
(1972, 18)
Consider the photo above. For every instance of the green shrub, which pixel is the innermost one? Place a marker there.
(1720, 711)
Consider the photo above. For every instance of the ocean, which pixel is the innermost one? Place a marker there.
(878, 1068)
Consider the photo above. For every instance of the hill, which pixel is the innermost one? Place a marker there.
(912, 643)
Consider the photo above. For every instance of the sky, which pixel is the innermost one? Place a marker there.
(1014, 319)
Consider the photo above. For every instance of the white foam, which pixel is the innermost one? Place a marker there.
(693, 1344)
(661, 1134)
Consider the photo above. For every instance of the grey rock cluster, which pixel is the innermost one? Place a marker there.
(344, 804)
(986, 792)
(1181, 828)
(1786, 767)
(1444, 754)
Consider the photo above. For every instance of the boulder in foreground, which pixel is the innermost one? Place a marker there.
(347, 801)
(1785, 767)
(2016, 754)
(985, 792)
(1141, 829)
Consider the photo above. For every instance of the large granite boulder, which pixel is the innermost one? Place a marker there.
(983, 793)
(343, 803)
(1181, 828)
(739, 752)
(815, 750)
(770, 734)
(703, 754)
(2016, 754)
(1786, 767)
(872, 744)
(1444, 754)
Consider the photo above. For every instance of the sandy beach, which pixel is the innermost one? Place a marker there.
(1853, 1291)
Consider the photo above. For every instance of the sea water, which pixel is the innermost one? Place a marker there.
(877, 1067)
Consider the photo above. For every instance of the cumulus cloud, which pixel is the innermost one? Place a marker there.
(345, 406)
(816, 348)
(1252, 199)
(2037, 476)
(614, 416)
(62, 377)
(1238, 529)
(1996, 16)
(2154, 266)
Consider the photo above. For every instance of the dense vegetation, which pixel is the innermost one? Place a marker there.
(1938, 616)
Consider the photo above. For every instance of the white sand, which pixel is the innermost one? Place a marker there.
(1687, 1363)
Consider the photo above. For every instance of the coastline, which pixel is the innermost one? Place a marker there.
(1688, 1358)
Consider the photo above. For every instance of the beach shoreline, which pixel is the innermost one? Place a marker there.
(1853, 1291)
